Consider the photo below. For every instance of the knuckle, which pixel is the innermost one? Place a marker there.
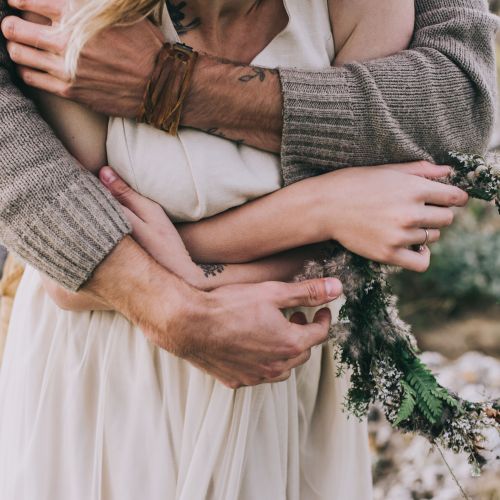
(271, 289)
(59, 43)
(66, 91)
(293, 349)
(275, 370)
(398, 239)
(409, 218)
(387, 253)
(314, 290)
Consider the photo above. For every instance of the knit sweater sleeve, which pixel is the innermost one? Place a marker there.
(419, 104)
(53, 213)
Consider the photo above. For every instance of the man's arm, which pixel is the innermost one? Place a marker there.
(438, 96)
(418, 104)
(54, 214)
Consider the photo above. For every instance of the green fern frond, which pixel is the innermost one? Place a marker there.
(445, 396)
(420, 378)
(407, 405)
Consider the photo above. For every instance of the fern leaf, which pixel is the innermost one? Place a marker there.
(407, 405)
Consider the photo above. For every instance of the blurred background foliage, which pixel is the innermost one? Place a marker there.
(454, 310)
(454, 307)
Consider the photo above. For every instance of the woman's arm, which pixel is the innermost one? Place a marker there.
(376, 212)
(44, 192)
(436, 97)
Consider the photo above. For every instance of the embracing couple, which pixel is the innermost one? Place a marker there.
(158, 347)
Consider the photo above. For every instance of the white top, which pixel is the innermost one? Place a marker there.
(91, 410)
(196, 175)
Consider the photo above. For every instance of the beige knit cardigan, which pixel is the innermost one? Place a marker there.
(437, 96)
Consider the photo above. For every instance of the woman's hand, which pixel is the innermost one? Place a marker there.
(154, 231)
(377, 212)
(382, 213)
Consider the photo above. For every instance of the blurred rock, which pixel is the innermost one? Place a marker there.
(409, 468)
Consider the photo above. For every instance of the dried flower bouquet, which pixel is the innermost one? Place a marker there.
(381, 353)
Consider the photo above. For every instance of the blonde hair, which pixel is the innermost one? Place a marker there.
(86, 18)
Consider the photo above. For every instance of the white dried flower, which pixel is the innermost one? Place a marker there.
(495, 170)
(471, 176)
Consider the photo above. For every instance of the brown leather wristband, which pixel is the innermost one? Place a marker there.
(168, 87)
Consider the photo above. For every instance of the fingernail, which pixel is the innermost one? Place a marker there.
(108, 176)
(333, 288)
(447, 170)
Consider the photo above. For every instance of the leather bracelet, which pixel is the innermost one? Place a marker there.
(168, 87)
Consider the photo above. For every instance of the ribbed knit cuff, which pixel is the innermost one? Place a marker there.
(72, 234)
(319, 125)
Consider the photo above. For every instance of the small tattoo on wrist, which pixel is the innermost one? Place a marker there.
(259, 73)
(212, 270)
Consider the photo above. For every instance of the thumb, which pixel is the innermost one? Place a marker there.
(129, 198)
(309, 293)
(422, 169)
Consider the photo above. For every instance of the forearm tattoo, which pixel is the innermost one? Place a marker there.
(259, 73)
(176, 11)
(212, 270)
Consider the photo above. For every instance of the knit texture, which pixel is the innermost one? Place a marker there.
(436, 97)
(53, 213)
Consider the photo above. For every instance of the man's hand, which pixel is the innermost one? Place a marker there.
(234, 101)
(237, 334)
(113, 69)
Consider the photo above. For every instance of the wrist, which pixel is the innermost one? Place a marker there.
(325, 213)
(198, 108)
(135, 285)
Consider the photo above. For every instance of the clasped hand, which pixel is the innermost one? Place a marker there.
(111, 82)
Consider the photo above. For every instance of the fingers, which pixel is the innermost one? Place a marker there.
(315, 333)
(52, 9)
(421, 169)
(136, 222)
(418, 236)
(307, 293)
(139, 205)
(37, 59)
(434, 218)
(443, 195)
(413, 261)
(43, 81)
(35, 35)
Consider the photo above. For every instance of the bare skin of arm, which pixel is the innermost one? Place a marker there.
(250, 111)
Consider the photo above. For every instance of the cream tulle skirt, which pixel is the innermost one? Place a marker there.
(89, 410)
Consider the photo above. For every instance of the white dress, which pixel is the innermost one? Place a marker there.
(90, 410)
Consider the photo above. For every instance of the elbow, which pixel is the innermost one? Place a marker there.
(476, 128)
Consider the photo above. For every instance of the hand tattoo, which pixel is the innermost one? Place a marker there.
(177, 15)
(259, 73)
(212, 270)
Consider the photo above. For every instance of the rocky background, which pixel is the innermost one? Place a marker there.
(456, 316)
